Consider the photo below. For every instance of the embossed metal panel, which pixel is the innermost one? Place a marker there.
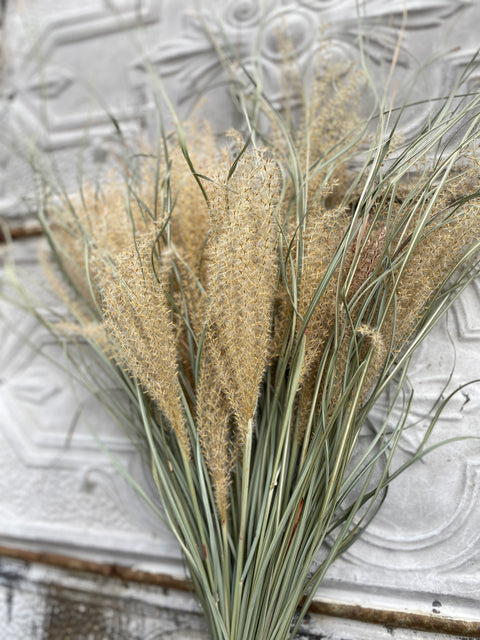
(73, 77)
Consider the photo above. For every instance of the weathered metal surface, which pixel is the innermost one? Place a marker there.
(389, 618)
(61, 498)
(41, 603)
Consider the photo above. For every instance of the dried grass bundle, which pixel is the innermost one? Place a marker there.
(259, 307)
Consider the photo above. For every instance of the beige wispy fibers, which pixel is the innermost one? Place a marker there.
(76, 304)
(213, 426)
(322, 238)
(188, 231)
(332, 269)
(430, 228)
(190, 221)
(242, 276)
(330, 121)
(344, 279)
(138, 320)
(98, 223)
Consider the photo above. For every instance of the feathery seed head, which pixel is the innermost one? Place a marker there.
(242, 276)
(138, 321)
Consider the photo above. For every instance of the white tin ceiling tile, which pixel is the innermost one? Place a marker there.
(63, 66)
(62, 457)
(72, 75)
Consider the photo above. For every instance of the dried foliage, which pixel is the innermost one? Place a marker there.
(241, 280)
(259, 304)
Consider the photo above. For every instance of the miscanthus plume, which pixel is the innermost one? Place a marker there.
(253, 300)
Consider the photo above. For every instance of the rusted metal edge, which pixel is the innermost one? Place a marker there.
(435, 622)
(388, 618)
(19, 232)
(105, 570)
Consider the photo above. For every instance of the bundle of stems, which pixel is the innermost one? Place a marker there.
(253, 301)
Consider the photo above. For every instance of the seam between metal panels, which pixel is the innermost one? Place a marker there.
(18, 232)
(386, 617)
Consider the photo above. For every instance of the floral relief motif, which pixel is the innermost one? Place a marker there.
(51, 83)
(37, 402)
(313, 28)
(466, 314)
(50, 430)
(443, 537)
(191, 63)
